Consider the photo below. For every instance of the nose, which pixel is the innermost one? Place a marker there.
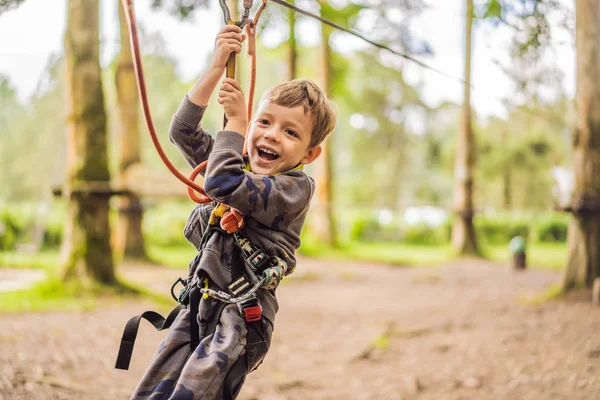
(271, 134)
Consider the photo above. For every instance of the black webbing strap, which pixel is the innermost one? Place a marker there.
(131, 330)
(195, 295)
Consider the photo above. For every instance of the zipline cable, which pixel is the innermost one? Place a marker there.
(363, 37)
(384, 47)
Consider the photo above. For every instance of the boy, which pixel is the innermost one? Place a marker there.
(274, 195)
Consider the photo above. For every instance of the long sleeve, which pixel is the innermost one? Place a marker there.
(274, 201)
(187, 134)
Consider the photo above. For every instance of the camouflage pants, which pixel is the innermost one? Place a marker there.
(217, 367)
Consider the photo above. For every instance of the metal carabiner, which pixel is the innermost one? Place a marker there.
(245, 14)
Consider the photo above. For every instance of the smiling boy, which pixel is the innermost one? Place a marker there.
(270, 188)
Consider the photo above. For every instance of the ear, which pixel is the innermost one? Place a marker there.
(311, 155)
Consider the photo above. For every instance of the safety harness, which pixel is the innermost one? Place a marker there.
(259, 271)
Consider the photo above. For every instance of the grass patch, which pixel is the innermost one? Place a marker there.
(551, 256)
(54, 295)
(48, 295)
(552, 293)
(386, 253)
(177, 257)
(47, 259)
(382, 342)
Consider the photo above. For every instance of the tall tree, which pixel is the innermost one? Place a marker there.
(324, 223)
(292, 45)
(86, 250)
(463, 232)
(583, 264)
(130, 239)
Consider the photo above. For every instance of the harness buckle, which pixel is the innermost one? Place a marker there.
(250, 309)
(257, 260)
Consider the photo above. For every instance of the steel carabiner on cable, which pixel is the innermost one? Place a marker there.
(245, 14)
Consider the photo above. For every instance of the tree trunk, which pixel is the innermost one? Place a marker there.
(463, 233)
(292, 50)
(506, 175)
(130, 240)
(583, 264)
(324, 222)
(86, 251)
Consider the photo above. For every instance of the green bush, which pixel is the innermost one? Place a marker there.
(163, 224)
(15, 218)
(500, 229)
(7, 237)
(55, 225)
(424, 234)
(366, 227)
(552, 229)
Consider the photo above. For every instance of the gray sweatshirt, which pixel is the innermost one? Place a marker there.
(274, 207)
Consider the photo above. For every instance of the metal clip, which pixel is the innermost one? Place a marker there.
(245, 14)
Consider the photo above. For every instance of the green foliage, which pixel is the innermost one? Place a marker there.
(500, 229)
(423, 234)
(33, 145)
(6, 5)
(492, 228)
(183, 9)
(552, 228)
(366, 227)
(7, 236)
(163, 224)
(15, 220)
(397, 254)
(493, 9)
(55, 226)
(31, 223)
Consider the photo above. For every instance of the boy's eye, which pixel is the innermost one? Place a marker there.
(263, 122)
(291, 132)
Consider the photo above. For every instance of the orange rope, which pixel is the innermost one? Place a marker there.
(139, 72)
(195, 191)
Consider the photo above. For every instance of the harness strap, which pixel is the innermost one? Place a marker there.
(194, 326)
(131, 330)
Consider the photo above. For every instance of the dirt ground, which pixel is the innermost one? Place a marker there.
(457, 331)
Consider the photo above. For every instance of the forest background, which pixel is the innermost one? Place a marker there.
(394, 149)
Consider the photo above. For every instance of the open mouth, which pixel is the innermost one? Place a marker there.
(266, 154)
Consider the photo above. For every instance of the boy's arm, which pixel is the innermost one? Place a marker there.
(185, 131)
(187, 134)
(275, 201)
(229, 40)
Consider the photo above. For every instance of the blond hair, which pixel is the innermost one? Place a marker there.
(306, 93)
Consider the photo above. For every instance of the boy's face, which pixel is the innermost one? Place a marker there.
(279, 139)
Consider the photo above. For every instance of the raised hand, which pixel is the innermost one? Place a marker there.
(234, 104)
(229, 40)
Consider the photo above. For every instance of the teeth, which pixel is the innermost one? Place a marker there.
(268, 151)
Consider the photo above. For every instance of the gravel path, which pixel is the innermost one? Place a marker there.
(345, 331)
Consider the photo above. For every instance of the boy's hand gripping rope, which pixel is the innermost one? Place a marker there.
(137, 61)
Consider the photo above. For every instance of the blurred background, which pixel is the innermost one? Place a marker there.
(394, 149)
(421, 171)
